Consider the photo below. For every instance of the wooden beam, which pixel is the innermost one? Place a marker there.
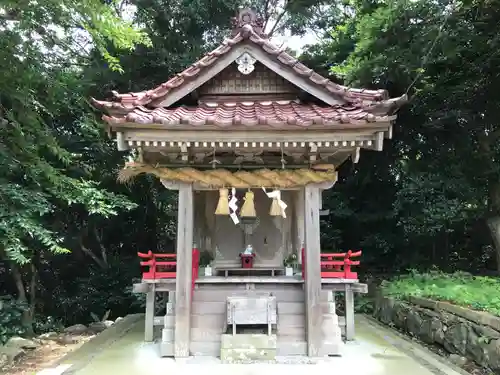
(313, 152)
(388, 135)
(184, 270)
(379, 141)
(237, 137)
(184, 152)
(314, 313)
(121, 143)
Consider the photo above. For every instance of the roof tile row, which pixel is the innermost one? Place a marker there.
(269, 114)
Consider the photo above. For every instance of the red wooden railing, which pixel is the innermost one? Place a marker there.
(158, 269)
(341, 269)
(166, 269)
(335, 269)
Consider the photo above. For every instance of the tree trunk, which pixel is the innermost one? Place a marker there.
(494, 225)
(32, 287)
(100, 262)
(22, 298)
(18, 280)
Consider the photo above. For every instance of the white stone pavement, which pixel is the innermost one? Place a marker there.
(376, 351)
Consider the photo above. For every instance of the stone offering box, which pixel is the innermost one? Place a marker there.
(258, 310)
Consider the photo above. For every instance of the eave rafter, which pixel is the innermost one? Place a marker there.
(255, 152)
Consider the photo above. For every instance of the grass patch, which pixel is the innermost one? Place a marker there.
(475, 292)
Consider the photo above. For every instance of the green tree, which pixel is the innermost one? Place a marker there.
(40, 58)
(444, 164)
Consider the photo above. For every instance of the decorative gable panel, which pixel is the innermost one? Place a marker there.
(261, 81)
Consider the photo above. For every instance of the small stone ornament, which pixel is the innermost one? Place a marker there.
(248, 250)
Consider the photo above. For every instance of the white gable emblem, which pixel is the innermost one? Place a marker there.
(246, 63)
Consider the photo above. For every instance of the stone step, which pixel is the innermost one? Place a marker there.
(290, 320)
(248, 341)
(206, 334)
(298, 333)
(292, 332)
(247, 347)
(214, 295)
(288, 347)
(216, 322)
(208, 321)
(202, 307)
(298, 307)
(219, 307)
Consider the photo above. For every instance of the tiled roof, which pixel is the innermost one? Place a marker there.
(361, 108)
(360, 97)
(258, 114)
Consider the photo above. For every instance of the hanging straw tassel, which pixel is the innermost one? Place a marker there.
(277, 205)
(223, 205)
(275, 208)
(248, 208)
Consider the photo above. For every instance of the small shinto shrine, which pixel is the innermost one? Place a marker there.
(250, 138)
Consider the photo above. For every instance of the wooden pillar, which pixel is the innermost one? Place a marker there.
(314, 314)
(184, 271)
(150, 314)
(349, 313)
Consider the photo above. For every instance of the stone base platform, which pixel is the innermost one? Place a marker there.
(242, 348)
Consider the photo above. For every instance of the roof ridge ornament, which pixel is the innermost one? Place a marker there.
(247, 16)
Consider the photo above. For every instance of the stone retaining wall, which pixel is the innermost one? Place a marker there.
(471, 334)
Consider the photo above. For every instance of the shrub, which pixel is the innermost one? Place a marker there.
(11, 318)
(96, 292)
(460, 288)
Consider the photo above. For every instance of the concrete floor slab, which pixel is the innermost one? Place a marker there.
(376, 351)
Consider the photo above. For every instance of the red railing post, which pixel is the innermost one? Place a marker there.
(152, 265)
(152, 262)
(195, 268)
(347, 264)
